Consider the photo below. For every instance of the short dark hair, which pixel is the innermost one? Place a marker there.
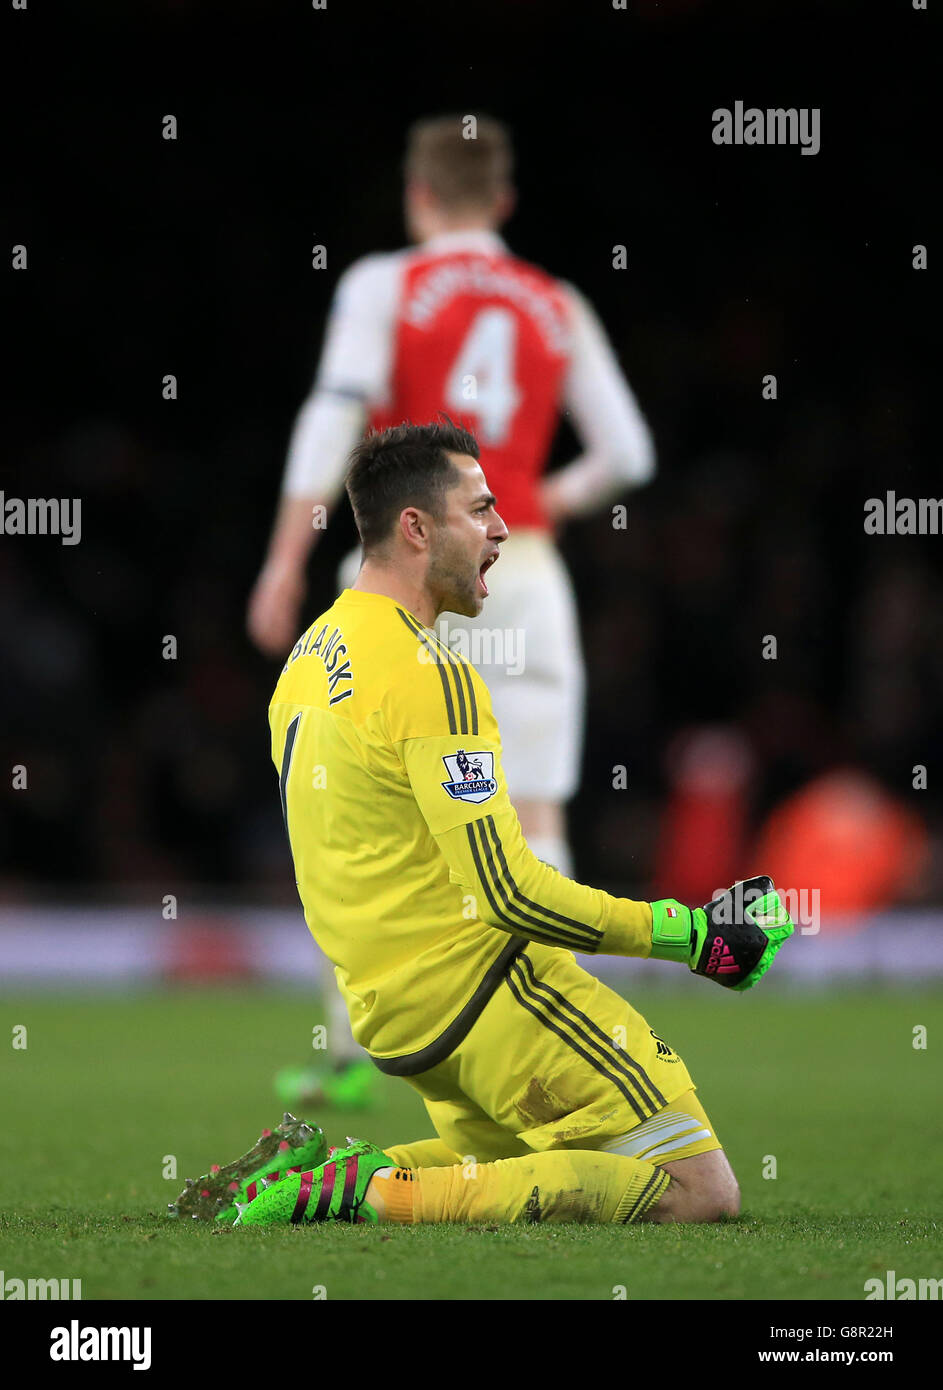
(404, 466)
(462, 171)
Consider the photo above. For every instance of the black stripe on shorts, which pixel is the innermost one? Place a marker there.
(521, 992)
(617, 1056)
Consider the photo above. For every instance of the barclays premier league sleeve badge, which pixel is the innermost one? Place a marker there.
(472, 776)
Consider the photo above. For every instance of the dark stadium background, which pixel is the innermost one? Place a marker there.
(193, 257)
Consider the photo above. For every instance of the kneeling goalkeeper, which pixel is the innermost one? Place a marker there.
(552, 1099)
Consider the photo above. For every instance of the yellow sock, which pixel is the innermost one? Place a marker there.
(391, 1193)
(562, 1185)
(423, 1153)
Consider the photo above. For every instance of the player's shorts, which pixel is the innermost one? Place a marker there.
(525, 645)
(558, 1060)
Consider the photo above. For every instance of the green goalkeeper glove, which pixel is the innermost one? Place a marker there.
(732, 940)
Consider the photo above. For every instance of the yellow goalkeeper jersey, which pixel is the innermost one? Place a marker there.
(414, 875)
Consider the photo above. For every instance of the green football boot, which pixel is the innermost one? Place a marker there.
(732, 940)
(351, 1086)
(333, 1192)
(291, 1147)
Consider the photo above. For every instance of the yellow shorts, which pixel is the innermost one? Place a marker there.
(558, 1060)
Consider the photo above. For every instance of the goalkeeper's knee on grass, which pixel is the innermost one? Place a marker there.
(358, 1185)
(731, 940)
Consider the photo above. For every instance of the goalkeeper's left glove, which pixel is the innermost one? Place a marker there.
(732, 940)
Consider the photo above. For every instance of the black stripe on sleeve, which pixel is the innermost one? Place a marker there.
(472, 702)
(594, 934)
(462, 711)
(456, 665)
(466, 677)
(446, 685)
(550, 936)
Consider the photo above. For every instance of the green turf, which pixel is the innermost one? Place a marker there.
(830, 1086)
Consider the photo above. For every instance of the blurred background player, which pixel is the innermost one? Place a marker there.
(459, 325)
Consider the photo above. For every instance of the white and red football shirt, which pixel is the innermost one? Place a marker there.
(484, 337)
(460, 325)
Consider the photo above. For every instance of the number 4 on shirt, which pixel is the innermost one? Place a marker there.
(481, 382)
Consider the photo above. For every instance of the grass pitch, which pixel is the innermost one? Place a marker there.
(830, 1089)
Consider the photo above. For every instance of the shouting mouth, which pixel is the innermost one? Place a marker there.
(482, 571)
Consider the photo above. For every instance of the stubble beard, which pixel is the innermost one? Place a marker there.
(451, 590)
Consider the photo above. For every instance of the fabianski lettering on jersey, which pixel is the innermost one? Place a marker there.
(330, 649)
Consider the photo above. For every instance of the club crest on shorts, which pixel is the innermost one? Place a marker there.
(472, 776)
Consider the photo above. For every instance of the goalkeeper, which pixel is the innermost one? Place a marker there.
(551, 1098)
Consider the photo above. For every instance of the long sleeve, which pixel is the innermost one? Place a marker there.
(458, 782)
(619, 450)
(325, 431)
(353, 376)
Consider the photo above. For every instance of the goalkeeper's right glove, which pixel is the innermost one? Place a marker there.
(732, 940)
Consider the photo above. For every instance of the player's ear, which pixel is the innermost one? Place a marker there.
(419, 194)
(415, 526)
(505, 203)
